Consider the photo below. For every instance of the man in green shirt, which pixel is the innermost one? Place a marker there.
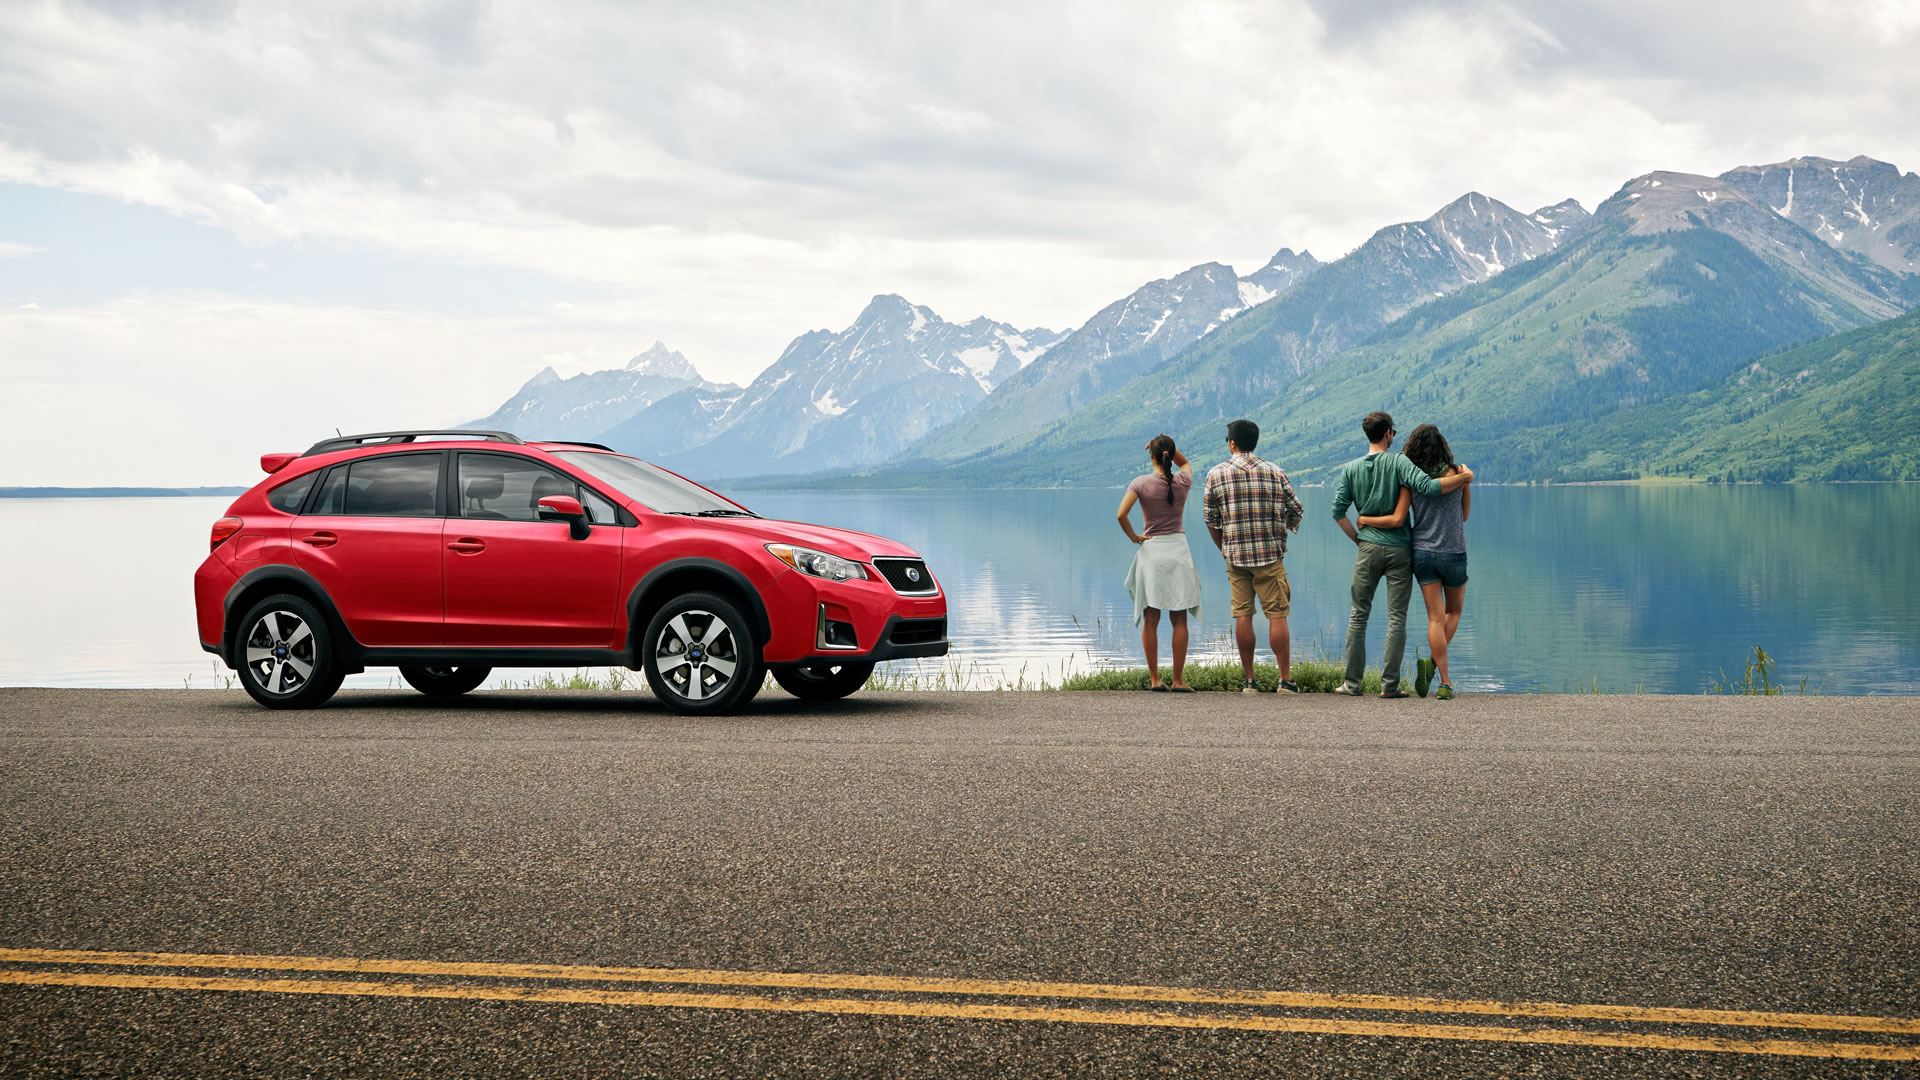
(1372, 485)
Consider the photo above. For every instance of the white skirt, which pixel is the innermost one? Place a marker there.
(1163, 576)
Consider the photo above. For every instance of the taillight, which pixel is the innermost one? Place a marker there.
(223, 530)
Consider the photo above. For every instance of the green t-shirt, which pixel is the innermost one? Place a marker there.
(1372, 486)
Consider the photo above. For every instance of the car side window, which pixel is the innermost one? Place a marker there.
(288, 496)
(332, 499)
(599, 510)
(397, 485)
(498, 487)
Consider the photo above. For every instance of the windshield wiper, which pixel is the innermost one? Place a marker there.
(715, 513)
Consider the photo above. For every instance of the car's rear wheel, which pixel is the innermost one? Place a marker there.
(822, 682)
(287, 659)
(700, 655)
(444, 680)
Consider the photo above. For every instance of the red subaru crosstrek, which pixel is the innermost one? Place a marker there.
(448, 554)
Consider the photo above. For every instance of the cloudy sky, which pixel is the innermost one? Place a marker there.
(228, 227)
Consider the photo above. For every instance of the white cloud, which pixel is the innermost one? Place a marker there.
(11, 250)
(740, 173)
(203, 384)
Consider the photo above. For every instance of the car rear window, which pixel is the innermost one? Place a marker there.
(288, 496)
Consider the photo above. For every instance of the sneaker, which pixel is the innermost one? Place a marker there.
(1446, 692)
(1394, 694)
(1250, 687)
(1423, 670)
(1350, 691)
(1288, 686)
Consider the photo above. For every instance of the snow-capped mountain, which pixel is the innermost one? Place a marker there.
(1123, 340)
(583, 406)
(674, 423)
(851, 398)
(1864, 206)
(1281, 273)
(1850, 290)
(1473, 238)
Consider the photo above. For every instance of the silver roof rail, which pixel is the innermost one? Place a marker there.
(377, 438)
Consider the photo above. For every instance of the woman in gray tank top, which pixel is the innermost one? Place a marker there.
(1439, 551)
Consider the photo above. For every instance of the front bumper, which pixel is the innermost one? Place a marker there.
(885, 625)
(915, 636)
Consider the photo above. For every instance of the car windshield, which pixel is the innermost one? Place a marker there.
(656, 489)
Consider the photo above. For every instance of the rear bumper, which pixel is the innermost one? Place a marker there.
(210, 584)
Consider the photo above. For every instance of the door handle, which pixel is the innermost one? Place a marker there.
(467, 545)
(320, 539)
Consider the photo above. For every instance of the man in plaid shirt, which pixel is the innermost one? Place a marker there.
(1250, 508)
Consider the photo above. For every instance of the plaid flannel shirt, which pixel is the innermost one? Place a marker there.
(1253, 506)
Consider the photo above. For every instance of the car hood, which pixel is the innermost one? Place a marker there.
(843, 542)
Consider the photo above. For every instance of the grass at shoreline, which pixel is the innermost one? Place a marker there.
(1312, 676)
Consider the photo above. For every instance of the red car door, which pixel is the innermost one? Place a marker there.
(373, 540)
(514, 580)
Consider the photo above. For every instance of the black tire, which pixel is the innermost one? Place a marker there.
(822, 681)
(444, 680)
(286, 654)
(726, 654)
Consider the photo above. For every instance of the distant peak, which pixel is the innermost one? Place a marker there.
(1208, 271)
(1564, 206)
(883, 303)
(664, 362)
(1288, 259)
(1470, 205)
(547, 375)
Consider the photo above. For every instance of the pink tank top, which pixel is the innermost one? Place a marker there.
(1161, 516)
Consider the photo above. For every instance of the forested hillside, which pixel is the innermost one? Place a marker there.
(1842, 408)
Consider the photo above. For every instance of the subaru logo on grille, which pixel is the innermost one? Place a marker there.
(913, 574)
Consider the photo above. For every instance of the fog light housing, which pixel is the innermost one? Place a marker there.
(836, 633)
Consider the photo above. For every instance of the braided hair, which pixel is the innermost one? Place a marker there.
(1162, 450)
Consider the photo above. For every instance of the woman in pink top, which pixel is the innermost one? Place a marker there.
(1162, 577)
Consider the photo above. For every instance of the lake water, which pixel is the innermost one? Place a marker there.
(1659, 589)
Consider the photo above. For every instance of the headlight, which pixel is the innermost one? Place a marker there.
(817, 563)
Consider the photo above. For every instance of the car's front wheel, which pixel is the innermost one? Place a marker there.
(444, 680)
(822, 682)
(700, 655)
(287, 658)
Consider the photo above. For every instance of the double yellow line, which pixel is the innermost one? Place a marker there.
(1205, 1007)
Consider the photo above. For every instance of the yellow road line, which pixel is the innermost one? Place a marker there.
(946, 1010)
(994, 987)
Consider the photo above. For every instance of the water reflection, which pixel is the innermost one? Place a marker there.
(1648, 588)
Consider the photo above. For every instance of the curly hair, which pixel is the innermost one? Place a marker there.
(1428, 450)
(1162, 450)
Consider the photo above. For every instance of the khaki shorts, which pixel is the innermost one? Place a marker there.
(1269, 582)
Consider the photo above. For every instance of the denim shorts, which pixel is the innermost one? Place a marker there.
(1449, 568)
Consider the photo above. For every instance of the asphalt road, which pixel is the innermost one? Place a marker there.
(1671, 853)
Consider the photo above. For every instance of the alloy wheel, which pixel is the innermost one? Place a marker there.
(696, 654)
(280, 652)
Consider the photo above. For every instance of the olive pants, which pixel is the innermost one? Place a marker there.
(1376, 561)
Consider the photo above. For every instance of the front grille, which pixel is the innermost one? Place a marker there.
(907, 576)
(919, 631)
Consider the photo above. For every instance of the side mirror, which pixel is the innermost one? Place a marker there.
(568, 509)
